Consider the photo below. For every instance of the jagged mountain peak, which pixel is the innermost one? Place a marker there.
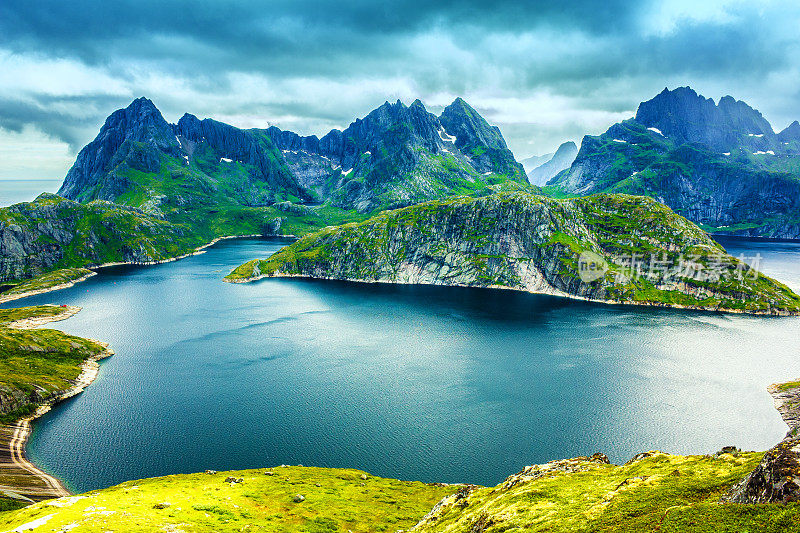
(791, 133)
(561, 160)
(134, 134)
(686, 116)
(460, 102)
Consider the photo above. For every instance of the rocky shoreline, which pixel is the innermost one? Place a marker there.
(33, 483)
(196, 251)
(17, 296)
(552, 292)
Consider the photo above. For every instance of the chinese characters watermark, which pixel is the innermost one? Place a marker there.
(663, 268)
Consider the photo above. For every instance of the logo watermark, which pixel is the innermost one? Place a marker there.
(591, 266)
(704, 268)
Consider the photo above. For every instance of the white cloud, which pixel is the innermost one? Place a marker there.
(30, 73)
(31, 154)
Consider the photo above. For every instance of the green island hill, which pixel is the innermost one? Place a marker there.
(537, 244)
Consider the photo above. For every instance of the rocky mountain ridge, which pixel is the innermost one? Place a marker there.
(720, 165)
(396, 155)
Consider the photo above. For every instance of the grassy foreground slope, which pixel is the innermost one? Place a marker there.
(654, 492)
(334, 500)
(644, 253)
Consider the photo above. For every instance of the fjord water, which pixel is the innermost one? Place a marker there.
(414, 382)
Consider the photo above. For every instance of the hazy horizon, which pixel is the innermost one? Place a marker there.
(543, 72)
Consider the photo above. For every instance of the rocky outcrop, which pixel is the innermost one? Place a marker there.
(576, 248)
(718, 165)
(561, 160)
(777, 478)
(787, 402)
(52, 232)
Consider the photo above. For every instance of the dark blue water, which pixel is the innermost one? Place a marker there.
(427, 383)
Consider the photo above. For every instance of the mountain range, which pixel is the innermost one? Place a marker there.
(719, 164)
(397, 155)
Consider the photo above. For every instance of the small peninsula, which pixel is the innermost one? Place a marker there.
(537, 244)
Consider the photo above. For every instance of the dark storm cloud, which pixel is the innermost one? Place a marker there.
(604, 56)
(291, 37)
(48, 115)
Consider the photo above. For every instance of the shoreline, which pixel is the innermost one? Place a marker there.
(39, 484)
(67, 285)
(197, 251)
(14, 438)
(554, 292)
(787, 402)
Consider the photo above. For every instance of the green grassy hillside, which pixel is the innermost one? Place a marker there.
(655, 492)
(645, 253)
(37, 364)
(335, 500)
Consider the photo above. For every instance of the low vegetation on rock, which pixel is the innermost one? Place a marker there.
(37, 365)
(640, 252)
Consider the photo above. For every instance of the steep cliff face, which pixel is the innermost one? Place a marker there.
(561, 160)
(685, 116)
(267, 173)
(52, 232)
(721, 166)
(399, 155)
(134, 136)
(396, 155)
(586, 247)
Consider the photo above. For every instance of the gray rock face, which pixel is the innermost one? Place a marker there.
(53, 232)
(92, 174)
(685, 116)
(561, 160)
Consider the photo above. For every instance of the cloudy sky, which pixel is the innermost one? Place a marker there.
(544, 71)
